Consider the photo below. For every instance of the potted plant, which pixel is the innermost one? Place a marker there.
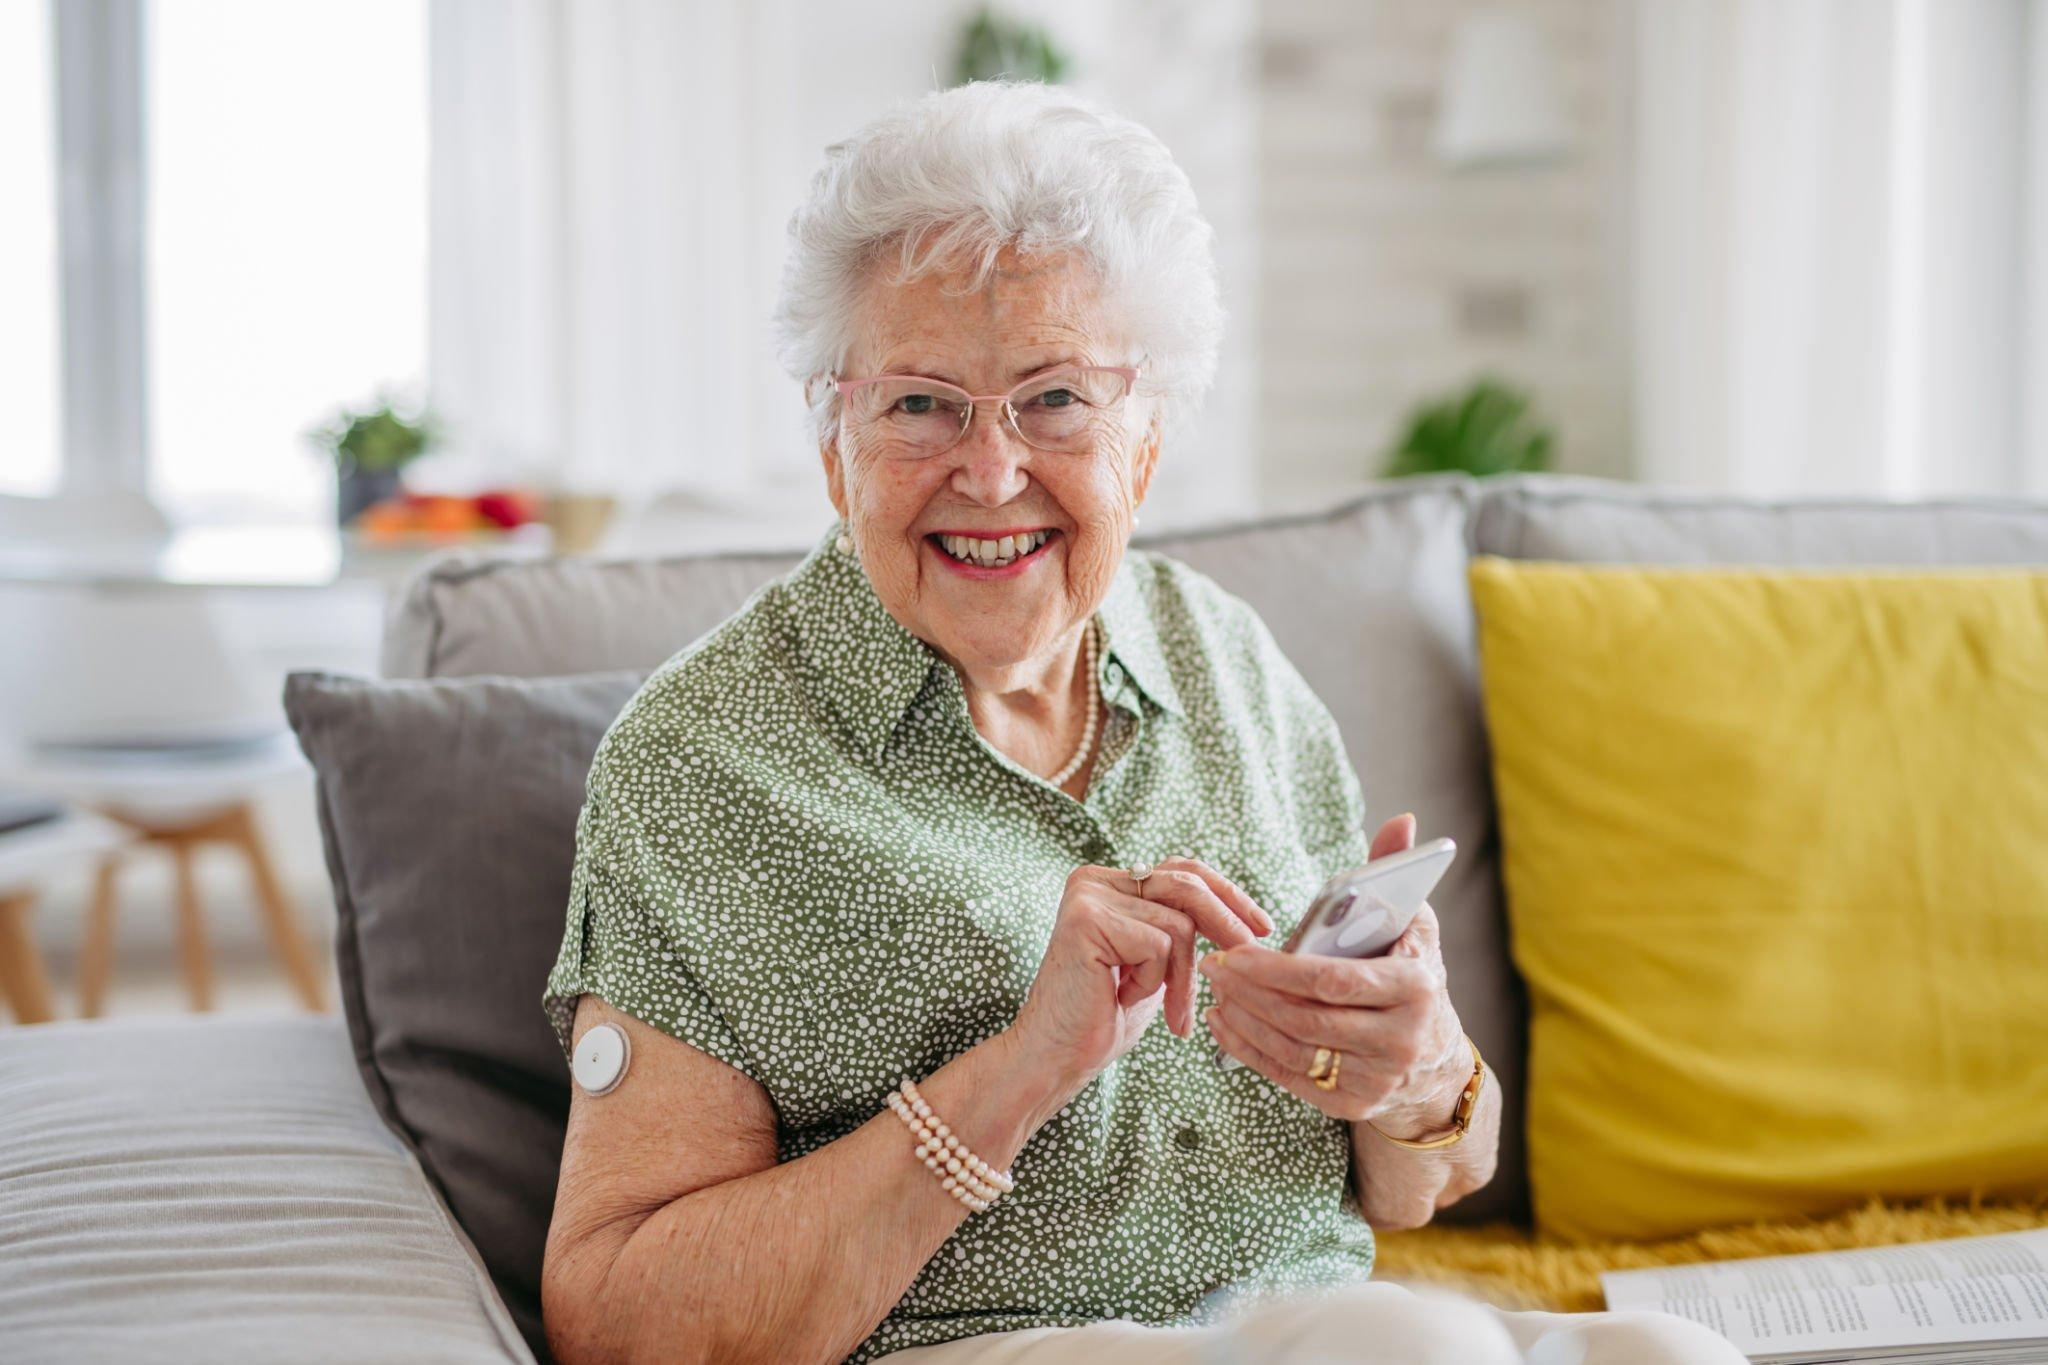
(996, 47)
(1489, 428)
(370, 450)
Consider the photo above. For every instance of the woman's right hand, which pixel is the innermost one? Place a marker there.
(1117, 957)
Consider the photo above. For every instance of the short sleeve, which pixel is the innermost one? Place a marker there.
(617, 942)
(614, 948)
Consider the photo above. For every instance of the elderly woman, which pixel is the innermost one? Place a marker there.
(891, 893)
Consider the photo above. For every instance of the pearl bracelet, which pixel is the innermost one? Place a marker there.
(942, 1159)
(960, 1172)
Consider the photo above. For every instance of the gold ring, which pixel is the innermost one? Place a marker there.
(1324, 1072)
(1320, 1064)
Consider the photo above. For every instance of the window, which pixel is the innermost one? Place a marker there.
(283, 153)
(29, 399)
(287, 240)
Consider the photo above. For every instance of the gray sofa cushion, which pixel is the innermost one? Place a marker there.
(448, 809)
(1598, 521)
(220, 1191)
(469, 614)
(1367, 599)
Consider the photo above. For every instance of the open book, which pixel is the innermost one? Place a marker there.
(1957, 1302)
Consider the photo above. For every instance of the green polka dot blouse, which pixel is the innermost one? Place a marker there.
(797, 854)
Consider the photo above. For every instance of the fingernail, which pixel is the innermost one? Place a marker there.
(1209, 1016)
(1211, 962)
(1409, 813)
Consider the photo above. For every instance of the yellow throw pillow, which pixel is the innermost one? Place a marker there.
(1775, 846)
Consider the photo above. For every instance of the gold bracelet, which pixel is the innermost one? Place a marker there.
(1461, 1118)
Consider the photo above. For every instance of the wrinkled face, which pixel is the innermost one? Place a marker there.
(1033, 314)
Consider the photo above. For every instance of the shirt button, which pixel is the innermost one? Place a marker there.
(1188, 1139)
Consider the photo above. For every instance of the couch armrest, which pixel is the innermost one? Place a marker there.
(220, 1190)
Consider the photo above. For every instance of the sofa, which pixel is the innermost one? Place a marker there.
(375, 1186)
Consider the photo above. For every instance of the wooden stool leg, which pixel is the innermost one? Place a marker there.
(96, 955)
(191, 929)
(278, 916)
(22, 978)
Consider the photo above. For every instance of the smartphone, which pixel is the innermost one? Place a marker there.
(1361, 912)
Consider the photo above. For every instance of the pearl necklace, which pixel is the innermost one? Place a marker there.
(1061, 778)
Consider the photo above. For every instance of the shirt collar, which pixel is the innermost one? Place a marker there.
(854, 657)
(1131, 636)
(866, 669)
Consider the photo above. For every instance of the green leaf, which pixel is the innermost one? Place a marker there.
(995, 47)
(377, 438)
(1488, 428)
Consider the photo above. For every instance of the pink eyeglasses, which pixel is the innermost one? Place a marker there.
(915, 418)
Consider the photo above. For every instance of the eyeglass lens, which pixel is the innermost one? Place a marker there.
(1064, 411)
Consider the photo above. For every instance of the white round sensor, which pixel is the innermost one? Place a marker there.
(601, 1057)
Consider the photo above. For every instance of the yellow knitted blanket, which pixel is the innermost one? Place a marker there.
(1510, 1267)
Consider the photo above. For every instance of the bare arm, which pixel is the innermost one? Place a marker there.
(677, 1236)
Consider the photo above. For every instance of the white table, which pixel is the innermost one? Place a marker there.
(289, 556)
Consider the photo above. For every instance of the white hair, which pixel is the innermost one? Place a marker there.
(958, 175)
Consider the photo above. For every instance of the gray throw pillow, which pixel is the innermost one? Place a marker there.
(448, 809)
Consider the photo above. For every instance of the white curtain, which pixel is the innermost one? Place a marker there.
(598, 275)
(611, 184)
(1840, 240)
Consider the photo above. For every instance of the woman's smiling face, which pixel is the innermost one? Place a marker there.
(1033, 314)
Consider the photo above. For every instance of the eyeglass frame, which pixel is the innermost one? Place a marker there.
(1128, 373)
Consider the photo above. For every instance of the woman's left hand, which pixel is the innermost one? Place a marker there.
(1400, 1050)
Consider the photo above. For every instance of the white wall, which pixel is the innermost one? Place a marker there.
(1388, 278)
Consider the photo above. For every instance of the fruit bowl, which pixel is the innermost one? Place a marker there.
(425, 520)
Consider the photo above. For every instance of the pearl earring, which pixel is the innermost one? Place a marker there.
(844, 544)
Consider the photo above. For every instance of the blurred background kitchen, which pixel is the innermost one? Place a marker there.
(297, 293)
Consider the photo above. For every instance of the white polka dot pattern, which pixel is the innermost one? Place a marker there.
(798, 855)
